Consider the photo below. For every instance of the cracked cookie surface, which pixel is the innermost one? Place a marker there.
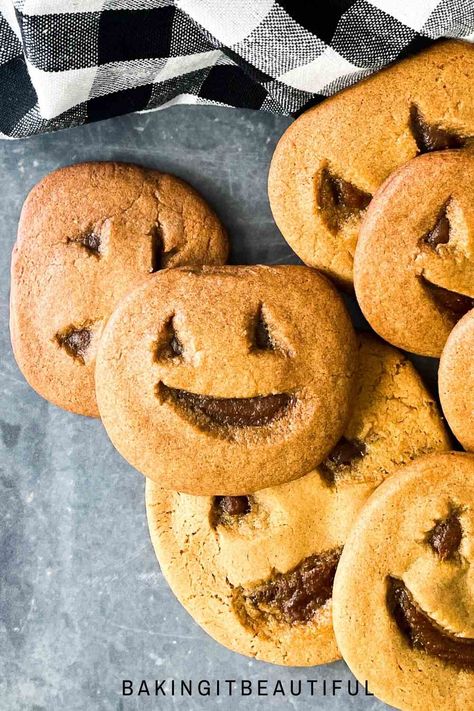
(335, 156)
(256, 571)
(403, 599)
(456, 381)
(241, 403)
(88, 234)
(414, 262)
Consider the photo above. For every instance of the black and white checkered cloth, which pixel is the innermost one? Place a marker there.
(69, 62)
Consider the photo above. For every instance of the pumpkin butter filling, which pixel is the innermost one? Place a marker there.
(295, 596)
(229, 412)
(423, 632)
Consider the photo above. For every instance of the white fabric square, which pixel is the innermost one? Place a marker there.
(59, 91)
(315, 75)
(229, 21)
(413, 13)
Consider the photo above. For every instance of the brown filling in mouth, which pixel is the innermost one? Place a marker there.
(424, 633)
(230, 412)
(345, 454)
(297, 595)
(457, 305)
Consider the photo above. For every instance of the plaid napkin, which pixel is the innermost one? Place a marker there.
(69, 62)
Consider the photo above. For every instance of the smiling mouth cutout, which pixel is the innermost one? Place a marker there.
(295, 596)
(456, 305)
(423, 632)
(231, 412)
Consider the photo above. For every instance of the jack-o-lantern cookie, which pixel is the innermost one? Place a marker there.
(256, 571)
(226, 380)
(403, 599)
(456, 380)
(334, 157)
(414, 262)
(88, 234)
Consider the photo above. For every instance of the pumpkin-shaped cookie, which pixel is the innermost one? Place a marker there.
(224, 380)
(403, 599)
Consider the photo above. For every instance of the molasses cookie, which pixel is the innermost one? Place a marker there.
(456, 380)
(334, 157)
(88, 234)
(256, 571)
(414, 262)
(403, 591)
(226, 380)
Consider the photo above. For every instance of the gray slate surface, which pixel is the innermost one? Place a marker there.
(83, 604)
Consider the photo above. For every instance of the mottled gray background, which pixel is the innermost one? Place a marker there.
(82, 601)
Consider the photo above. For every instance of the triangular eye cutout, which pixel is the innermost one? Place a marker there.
(262, 339)
(430, 137)
(440, 233)
(445, 537)
(75, 341)
(338, 199)
(91, 241)
(169, 345)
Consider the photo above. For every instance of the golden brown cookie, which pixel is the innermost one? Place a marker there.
(403, 601)
(256, 571)
(334, 157)
(456, 380)
(88, 234)
(414, 262)
(226, 380)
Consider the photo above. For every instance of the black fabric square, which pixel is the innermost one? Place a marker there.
(321, 21)
(370, 38)
(229, 85)
(60, 42)
(125, 35)
(121, 102)
(16, 90)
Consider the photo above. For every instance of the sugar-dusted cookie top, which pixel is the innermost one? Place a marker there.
(456, 380)
(403, 598)
(256, 571)
(414, 262)
(334, 157)
(224, 380)
(89, 233)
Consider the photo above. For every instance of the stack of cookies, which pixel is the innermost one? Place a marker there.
(301, 494)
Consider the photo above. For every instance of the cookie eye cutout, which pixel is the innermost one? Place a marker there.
(340, 460)
(75, 341)
(262, 335)
(292, 597)
(227, 510)
(454, 304)
(338, 200)
(159, 257)
(429, 137)
(91, 241)
(440, 233)
(422, 632)
(445, 537)
(169, 345)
